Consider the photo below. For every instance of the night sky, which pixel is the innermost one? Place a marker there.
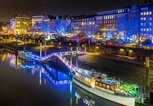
(9, 8)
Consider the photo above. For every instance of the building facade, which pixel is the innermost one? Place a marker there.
(112, 24)
(4, 27)
(45, 25)
(130, 24)
(146, 22)
(20, 24)
(84, 25)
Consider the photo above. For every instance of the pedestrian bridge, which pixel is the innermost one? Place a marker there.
(59, 55)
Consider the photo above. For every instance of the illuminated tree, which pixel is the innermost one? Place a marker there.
(121, 27)
(62, 26)
(133, 22)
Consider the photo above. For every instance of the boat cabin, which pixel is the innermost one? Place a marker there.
(107, 84)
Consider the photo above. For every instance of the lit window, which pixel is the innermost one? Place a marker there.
(141, 13)
(150, 12)
(150, 23)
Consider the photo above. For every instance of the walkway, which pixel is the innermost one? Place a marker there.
(59, 55)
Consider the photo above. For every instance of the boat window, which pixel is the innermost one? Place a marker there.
(100, 84)
(108, 87)
(99, 78)
(104, 85)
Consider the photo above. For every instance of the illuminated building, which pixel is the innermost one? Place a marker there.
(37, 24)
(42, 24)
(4, 27)
(84, 25)
(47, 24)
(112, 23)
(20, 24)
(146, 22)
(130, 24)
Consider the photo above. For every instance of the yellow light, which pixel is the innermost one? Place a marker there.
(97, 47)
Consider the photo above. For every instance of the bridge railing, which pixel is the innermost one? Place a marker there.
(59, 55)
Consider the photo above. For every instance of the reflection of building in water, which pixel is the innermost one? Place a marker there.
(11, 59)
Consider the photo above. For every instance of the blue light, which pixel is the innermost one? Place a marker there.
(57, 82)
(27, 66)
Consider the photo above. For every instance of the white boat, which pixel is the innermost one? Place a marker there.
(90, 84)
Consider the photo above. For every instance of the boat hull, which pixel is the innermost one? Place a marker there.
(124, 101)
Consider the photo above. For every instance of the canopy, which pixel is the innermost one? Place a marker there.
(77, 38)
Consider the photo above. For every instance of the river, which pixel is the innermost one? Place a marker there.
(32, 84)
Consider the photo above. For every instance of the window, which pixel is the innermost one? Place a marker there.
(150, 24)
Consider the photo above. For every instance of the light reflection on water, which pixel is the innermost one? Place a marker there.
(57, 79)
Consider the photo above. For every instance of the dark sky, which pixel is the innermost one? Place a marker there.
(9, 8)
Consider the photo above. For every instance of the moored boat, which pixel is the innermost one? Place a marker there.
(107, 88)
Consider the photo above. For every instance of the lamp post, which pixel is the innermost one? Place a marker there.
(78, 46)
(45, 50)
(24, 44)
(71, 60)
(147, 80)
